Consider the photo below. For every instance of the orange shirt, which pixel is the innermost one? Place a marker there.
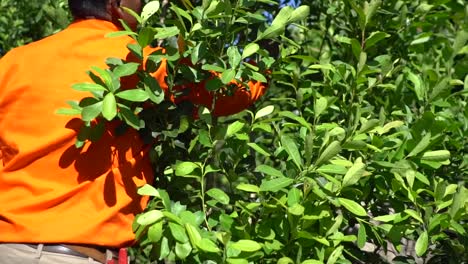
(51, 192)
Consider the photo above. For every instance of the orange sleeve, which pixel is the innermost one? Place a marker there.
(223, 104)
(199, 95)
(227, 104)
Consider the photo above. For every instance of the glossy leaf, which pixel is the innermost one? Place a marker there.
(246, 245)
(150, 217)
(291, 148)
(352, 206)
(219, 195)
(134, 95)
(275, 184)
(331, 151)
(109, 107)
(422, 244)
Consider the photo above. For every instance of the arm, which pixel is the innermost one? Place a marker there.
(224, 104)
(227, 104)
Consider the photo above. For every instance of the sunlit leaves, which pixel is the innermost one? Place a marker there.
(149, 10)
(352, 206)
(422, 243)
(369, 124)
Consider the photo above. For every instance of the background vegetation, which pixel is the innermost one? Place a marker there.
(358, 153)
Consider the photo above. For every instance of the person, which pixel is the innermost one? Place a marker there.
(59, 203)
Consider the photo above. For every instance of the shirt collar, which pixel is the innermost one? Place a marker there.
(93, 23)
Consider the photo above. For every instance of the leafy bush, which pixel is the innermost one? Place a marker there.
(359, 146)
(24, 21)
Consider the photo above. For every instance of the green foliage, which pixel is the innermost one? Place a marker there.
(361, 139)
(25, 21)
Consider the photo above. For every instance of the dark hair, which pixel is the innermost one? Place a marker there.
(88, 8)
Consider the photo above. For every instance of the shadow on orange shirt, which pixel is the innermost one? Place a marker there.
(125, 154)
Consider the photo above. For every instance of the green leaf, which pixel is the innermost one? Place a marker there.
(234, 56)
(150, 217)
(90, 112)
(164, 248)
(246, 245)
(296, 209)
(183, 250)
(109, 107)
(285, 260)
(422, 145)
(214, 84)
(193, 233)
(271, 32)
(182, 14)
(333, 169)
(418, 85)
(331, 151)
(178, 232)
(132, 13)
(362, 236)
(250, 49)
(437, 155)
(155, 232)
(248, 188)
(375, 37)
(68, 111)
(275, 184)
(199, 52)
(335, 255)
(311, 261)
(136, 50)
(458, 202)
(185, 168)
(300, 13)
(387, 127)
(294, 196)
(228, 76)
(283, 16)
(167, 32)
(269, 171)
(88, 87)
(149, 10)
(267, 110)
(422, 38)
(121, 33)
(146, 36)
(297, 118)
(369, 125)
(219, 195)
(352, 206)
(105, 76)
(291, 148)
(370, 9)
(237, 261)
(126, 69)
(320, 105)
(211, 67)
(440, 88)
(208, 246)
(414, 214)
(259, 149)
(130, 117)
(258, 77)
(234, 128)
(148, 190)
(354, 173)
(154, 91)
(422, 243)
(133, 95)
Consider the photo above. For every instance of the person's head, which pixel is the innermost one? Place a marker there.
(110, 10)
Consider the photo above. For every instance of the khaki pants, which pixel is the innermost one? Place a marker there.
(23, 254)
